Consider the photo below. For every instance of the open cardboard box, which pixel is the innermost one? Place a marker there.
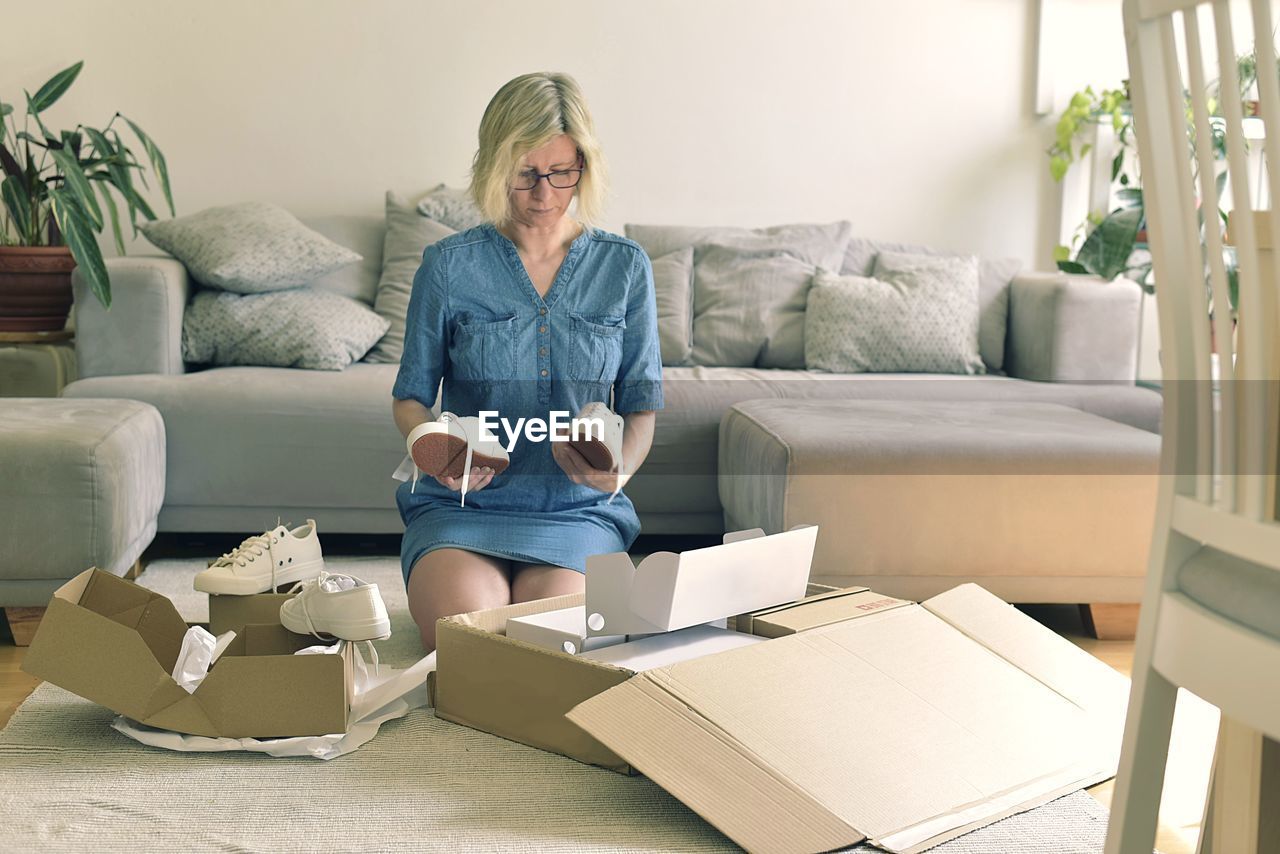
(114, 642)
(906, 724)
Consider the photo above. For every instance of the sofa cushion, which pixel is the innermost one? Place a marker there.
(249, 248)
(994, 275)
(327, 438)
(408, 234)
(918, 313)
(673, 287)
(748, 307)
(298, 328)
(360, 233)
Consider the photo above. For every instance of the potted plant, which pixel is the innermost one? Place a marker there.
(1115, 243)
(51, 216)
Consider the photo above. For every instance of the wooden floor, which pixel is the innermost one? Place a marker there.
(1178, 833)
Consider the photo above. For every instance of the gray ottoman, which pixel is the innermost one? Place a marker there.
(1036, 502)
(82, 484)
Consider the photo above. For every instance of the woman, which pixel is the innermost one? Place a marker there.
(532, 312)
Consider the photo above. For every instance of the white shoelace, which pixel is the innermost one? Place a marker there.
(252, 547)
(619, 480)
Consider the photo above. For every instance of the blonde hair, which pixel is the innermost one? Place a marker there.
(526, 114)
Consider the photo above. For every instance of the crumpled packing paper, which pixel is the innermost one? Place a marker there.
(378, 698)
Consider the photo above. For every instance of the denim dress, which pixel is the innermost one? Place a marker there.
(476, 322)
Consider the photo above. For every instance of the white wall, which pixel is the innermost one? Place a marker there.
(913, 118)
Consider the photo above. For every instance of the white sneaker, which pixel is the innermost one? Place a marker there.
(261, 564)
(602, 450)
(339, 605)
(451, 445)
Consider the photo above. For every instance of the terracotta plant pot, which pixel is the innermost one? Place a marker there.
(35, 287)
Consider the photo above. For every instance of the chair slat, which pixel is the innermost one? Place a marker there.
(1207, 170)
(1257, 542)
(1251, 458)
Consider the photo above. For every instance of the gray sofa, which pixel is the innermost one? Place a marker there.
(248, 444)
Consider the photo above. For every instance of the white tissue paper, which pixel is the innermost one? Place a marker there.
(198, 653)
(378, 698)
(405, 470)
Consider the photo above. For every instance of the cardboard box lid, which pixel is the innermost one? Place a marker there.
(669, 591)
(906, 726)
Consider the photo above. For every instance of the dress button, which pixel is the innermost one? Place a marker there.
(542, 311)
(542, 351)
(542, 330)
(543, 372)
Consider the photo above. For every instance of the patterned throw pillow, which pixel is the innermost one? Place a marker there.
(915, 314)
(299, 328)
(248, 248)
(452, 207)
(408, 235)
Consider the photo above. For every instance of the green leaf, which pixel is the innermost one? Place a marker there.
(1071, 267)
(1058, 167)
(18, 204)
(110, 204)
(11, 167)
(157, 162)
(1117, 163)
(82, 243)
(1106, 250)
(5, 109)
(52, 91)
(79, 186)
(1061, 253)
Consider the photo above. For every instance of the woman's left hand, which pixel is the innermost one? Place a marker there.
(580, 471)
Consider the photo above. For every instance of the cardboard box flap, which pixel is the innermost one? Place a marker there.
(711, 773)
(1029, 646)
(894, 726)
(495, 619)
(152, 615)
(98, 659)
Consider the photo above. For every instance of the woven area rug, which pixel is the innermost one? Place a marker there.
(70, 782)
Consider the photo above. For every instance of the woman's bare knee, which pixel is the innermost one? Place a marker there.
(535, 581)
(455, 581)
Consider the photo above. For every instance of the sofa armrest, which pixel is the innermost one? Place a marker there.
(142, 331)
(1068, 328)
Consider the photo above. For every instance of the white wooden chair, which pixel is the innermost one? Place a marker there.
(1210, 617)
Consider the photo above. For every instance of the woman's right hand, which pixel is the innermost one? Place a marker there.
(480, 477)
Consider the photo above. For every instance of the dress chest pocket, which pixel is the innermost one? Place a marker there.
(595, 347)
(484, 349)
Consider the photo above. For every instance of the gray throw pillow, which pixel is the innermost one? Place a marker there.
(673, 284)
(298, 328)
(362, 233)
(452, 207)
(916, 314)
(248, 248)
(408, 235)
(822, 245)
(748, 307)
(994, 275)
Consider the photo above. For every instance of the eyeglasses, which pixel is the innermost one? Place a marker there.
(561, 179)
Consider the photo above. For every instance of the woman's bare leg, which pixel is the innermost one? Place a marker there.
(455, 581)
(537, 581)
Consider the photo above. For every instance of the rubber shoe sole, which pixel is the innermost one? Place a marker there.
(351, 630)
(441, 454)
